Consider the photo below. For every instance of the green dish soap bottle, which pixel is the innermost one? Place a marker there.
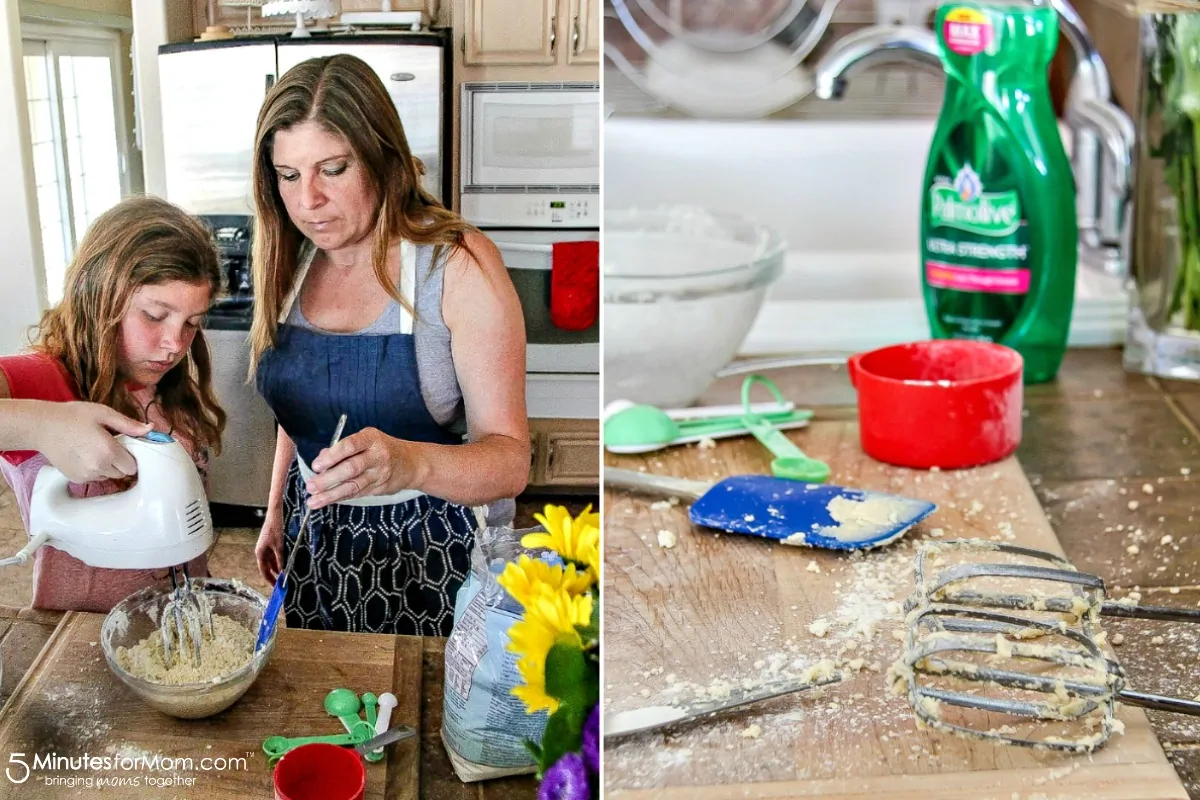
(998, 229)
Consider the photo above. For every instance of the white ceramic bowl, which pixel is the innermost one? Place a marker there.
(682, 287)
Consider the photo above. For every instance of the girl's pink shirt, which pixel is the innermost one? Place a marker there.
(62, 582)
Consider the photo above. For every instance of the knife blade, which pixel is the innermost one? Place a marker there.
(643, 720)
(390, 736)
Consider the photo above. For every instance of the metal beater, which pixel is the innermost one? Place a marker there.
(183, 619)
(1006, 647)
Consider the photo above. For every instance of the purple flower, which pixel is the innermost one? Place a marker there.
(591, 740)
(566, 780)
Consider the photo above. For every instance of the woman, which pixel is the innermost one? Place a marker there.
(375, 301)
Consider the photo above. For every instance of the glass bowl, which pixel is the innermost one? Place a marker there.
(682, 287)
(136, 617)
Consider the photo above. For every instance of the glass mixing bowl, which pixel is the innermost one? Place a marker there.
(682, 286)
(136, 617)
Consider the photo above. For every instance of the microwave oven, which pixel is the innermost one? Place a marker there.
(530, 154)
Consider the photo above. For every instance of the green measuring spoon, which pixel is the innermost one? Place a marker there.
(345, 705)
(645, 428)
(790, 461)
(277, 746)
(370, 701)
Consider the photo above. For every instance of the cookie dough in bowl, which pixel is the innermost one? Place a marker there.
(132, 644)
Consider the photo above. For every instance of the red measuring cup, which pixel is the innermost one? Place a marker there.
(943, 403)
(320, 772)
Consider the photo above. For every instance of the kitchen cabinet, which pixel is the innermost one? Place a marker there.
(539, 33)
(565, 453)
(522, 32)
(585, 32)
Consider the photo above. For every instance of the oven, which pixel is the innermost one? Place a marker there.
(530, 257)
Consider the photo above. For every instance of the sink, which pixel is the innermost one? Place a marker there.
(845, 195)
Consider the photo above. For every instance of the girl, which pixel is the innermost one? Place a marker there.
(122, 353)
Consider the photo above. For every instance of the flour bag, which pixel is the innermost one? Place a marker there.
(484, 727)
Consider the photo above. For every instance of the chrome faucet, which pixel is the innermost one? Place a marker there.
(1102, 135)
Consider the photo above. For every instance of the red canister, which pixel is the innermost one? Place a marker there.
(320, 771)
(945, 403)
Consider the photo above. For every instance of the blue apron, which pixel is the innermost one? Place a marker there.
(392, 569)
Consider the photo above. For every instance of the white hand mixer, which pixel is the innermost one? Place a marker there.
(162, 521)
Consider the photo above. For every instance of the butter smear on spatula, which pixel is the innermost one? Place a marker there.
(858, 519)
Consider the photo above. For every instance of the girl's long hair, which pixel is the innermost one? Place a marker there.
(345, 96)
(141, 241)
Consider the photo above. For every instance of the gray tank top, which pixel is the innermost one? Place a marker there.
(431, 338)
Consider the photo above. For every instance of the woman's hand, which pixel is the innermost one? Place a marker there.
(367, 463)
(269, 549)
(77, 439)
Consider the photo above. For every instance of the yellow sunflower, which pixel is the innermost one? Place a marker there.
(529, 577)
(591, 557)
(550, 619)
(570, 538)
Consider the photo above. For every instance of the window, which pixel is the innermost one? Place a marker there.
(73, 88)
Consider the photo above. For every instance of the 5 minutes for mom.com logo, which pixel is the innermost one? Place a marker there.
(964, 205)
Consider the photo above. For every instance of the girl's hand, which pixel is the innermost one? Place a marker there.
(77, 439)
(367, 463)
(269, 549)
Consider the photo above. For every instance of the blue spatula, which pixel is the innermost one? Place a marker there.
(275, 603)
(807, 514)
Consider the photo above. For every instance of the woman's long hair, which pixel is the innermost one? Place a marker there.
(345, 96)
(140, 241)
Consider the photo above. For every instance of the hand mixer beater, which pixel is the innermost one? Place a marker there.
(1003, 644)
(162, 521)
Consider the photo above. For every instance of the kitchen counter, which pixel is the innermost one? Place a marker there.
(1114, 460)
(23, 640)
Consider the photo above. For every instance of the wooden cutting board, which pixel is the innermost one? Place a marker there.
(726, 609)
(70, 704)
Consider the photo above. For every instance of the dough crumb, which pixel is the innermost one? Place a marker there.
(666, 538)
(1157, 640)
(813, 566)
(753, 732)
(819, 628)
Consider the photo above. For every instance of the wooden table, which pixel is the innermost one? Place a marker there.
(728, 609)
(67, 702)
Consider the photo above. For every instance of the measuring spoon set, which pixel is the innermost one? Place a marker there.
(367, 736)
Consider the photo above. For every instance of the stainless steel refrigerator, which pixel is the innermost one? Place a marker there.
(212, 92)
(211, 95)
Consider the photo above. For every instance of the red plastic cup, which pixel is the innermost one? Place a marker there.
(320, 772)
(945, 403)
